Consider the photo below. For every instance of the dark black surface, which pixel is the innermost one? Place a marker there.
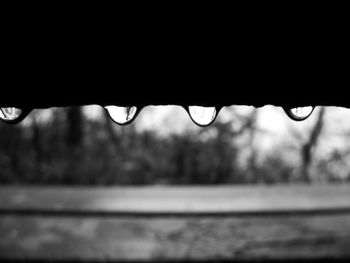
(137, 58)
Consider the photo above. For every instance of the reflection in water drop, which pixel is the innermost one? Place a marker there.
(121, 115)
(299, 113)
(202, 116)
(11, 114)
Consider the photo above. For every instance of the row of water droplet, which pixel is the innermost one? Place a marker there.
(202, 116)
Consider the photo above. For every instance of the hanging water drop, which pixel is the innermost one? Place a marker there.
(12, 114)
(122, 115)
(299, 113)
(202, 116)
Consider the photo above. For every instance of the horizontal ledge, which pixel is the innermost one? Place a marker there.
(175, 201)
(171, 214)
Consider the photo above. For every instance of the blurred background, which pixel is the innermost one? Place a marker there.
(69, 175)
(245, 145)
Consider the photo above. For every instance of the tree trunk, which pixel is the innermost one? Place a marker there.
(308, 148)
(74, 135)
(36, 140)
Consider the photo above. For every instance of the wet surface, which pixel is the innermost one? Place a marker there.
(320, 235)
(66, 238)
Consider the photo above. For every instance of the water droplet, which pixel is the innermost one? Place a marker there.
(122, 115)
(12, 114)
(202, 116)
(299, 113)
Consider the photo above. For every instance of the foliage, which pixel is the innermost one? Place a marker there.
(105, 154)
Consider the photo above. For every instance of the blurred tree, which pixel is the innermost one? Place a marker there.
(308, 148)
(74, 136)
(74, 139)
(53, 151)
(252, 173)
(37, 144)
(10, 152)
(223, 154)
